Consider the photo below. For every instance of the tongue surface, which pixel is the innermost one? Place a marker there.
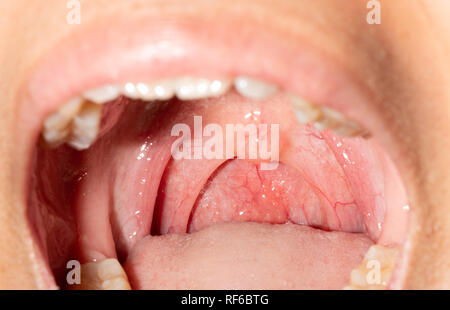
(127, 184)
(247, 256)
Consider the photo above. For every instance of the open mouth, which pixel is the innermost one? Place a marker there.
(107, 190)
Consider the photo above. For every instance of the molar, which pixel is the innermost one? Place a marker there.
(305, 112)
(57, 126)
(330, 119)
(254, 89)
(378, 259)
(338, 123)
(325, 118)
(85, 126)
(105, 275)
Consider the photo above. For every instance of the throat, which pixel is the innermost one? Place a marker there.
(240, 191)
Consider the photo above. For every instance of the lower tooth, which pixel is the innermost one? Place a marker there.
(104, 275)
(85, 126)
(254, 89)
(375, 270)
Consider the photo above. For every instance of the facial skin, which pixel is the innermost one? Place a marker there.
(403, 62)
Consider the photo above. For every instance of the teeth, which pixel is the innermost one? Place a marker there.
(329, 119)
(192, 88)
(375, 270)
(78, 122)
(57, 127)
(305, 112)
(104, 275)
(184, 88)
(132, 91)
(163, 90)
(103, 94)
(254, 89)
(324, 118)
(85, 126)
(337, 122)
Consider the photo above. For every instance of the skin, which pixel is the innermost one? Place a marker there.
(403, 62)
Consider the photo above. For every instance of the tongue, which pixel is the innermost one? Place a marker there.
(128, 185)
(246, 256)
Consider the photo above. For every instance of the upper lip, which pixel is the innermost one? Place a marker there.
(143, 49)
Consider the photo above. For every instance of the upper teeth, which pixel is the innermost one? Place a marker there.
(78, 121)
(57, 127)
(190, 88)
(85, 126)
(162, 90)
(305, 112)
(253, 88)
(185, 88)
(324, 118)
(102, 94)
